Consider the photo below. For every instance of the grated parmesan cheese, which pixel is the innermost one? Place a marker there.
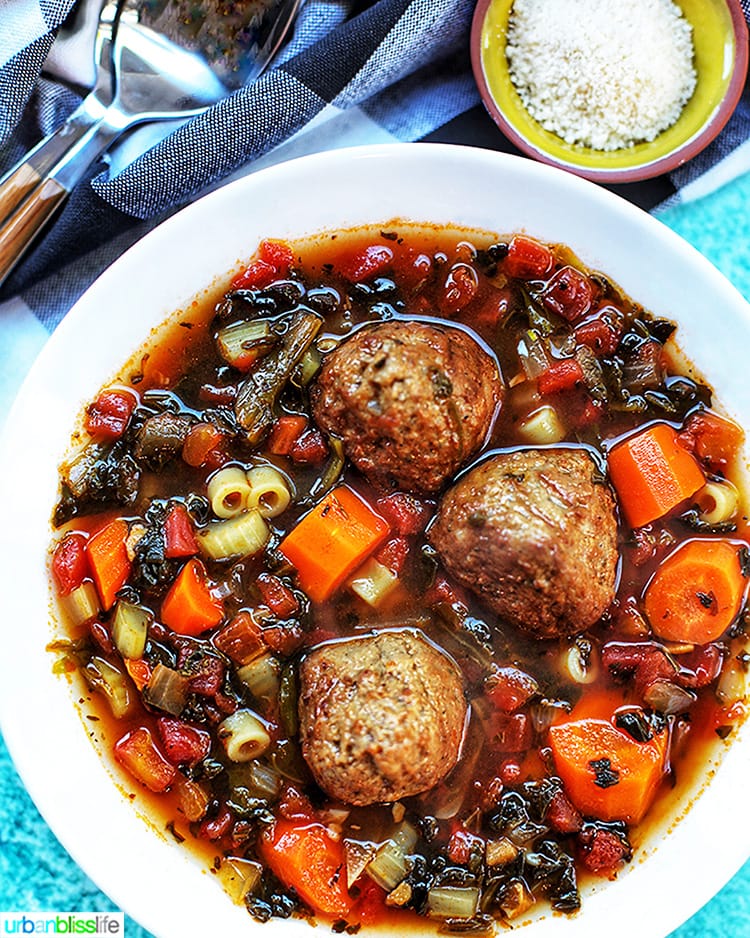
(604, 74)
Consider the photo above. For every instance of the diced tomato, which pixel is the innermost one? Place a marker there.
(510, 688)
(460, 288)
(241, 639)
(206, 676)
(713, 439)
(137, 752)
(370, 907)
(103, 639)
(393, 554)
(490, 310)
(643, 662)
(70, 565)
(602, 851)
(511, 732)
(277, 596)
(284, 639)
(411, 268)
(443, 591)
(278, 254)
(218, 394)
(461, 845)
(215, 828)
(562, 816)
(178, 533)
(182, 742)
(583, 410)
(310, 448)
(109, 415)
(600, 335)
(569, 294)
(273, 263)
(285, 432)
(527, 259)
(561, 375)
(509, 772)
(295, 805)
(201, 441)
(405, 513)
(700, 667)
(366, 263)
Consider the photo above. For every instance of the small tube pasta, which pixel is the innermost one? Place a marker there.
(269, 491)
(242, 536)
(542, 426)
(244, 736)
(228, 491)
(717, 501)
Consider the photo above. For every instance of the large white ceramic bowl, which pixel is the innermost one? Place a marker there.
(147, 875)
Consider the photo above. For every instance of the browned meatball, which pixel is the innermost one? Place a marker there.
(412, 401)
(381, 717)
(534, 534)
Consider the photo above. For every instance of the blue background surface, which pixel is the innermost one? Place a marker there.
(37, 875)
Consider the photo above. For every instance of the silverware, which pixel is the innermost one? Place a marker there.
(156, 60)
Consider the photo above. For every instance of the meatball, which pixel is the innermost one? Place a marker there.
(534, 534)
(381, 717)
(412, 401)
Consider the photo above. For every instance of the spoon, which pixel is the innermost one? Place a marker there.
(156, 60)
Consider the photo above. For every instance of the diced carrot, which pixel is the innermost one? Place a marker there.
(137, 752)
(332, 540)
(310, 861)
(189, 607)
(715, 440)
(605, 772)
(179, 539)
(697, 592)
(285, 432)
(653, 474)
(69, 563)
(109, 561)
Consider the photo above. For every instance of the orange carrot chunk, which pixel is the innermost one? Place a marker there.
(697, 591)
(653, 474)
(309, 860)
(332, 540)
(108, 560)
(605, 772)
(189, 607)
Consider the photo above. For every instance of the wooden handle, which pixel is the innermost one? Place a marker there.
(15, 187)
(20, 227)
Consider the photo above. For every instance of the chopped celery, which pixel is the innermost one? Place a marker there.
(112, 683)
(373, 582)
(392, 863)
(130, 629)
(262, 676)
(241, 343)
(82, 604)
(452, 902)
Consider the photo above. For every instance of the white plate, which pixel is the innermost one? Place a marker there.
(151, 878)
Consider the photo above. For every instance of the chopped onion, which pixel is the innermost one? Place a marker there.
(452, 901)
(166, 690)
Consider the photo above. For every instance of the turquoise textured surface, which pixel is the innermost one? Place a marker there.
(35, 872)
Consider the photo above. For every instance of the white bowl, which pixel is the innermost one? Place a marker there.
(151, 878)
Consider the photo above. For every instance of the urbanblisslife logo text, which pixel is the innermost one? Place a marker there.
(63, 923)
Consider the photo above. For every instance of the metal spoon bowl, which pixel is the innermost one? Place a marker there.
(156, 60)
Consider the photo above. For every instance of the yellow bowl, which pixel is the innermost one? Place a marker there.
(720, 39)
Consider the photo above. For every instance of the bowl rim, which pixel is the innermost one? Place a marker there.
(664, 164)
(144, 259)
